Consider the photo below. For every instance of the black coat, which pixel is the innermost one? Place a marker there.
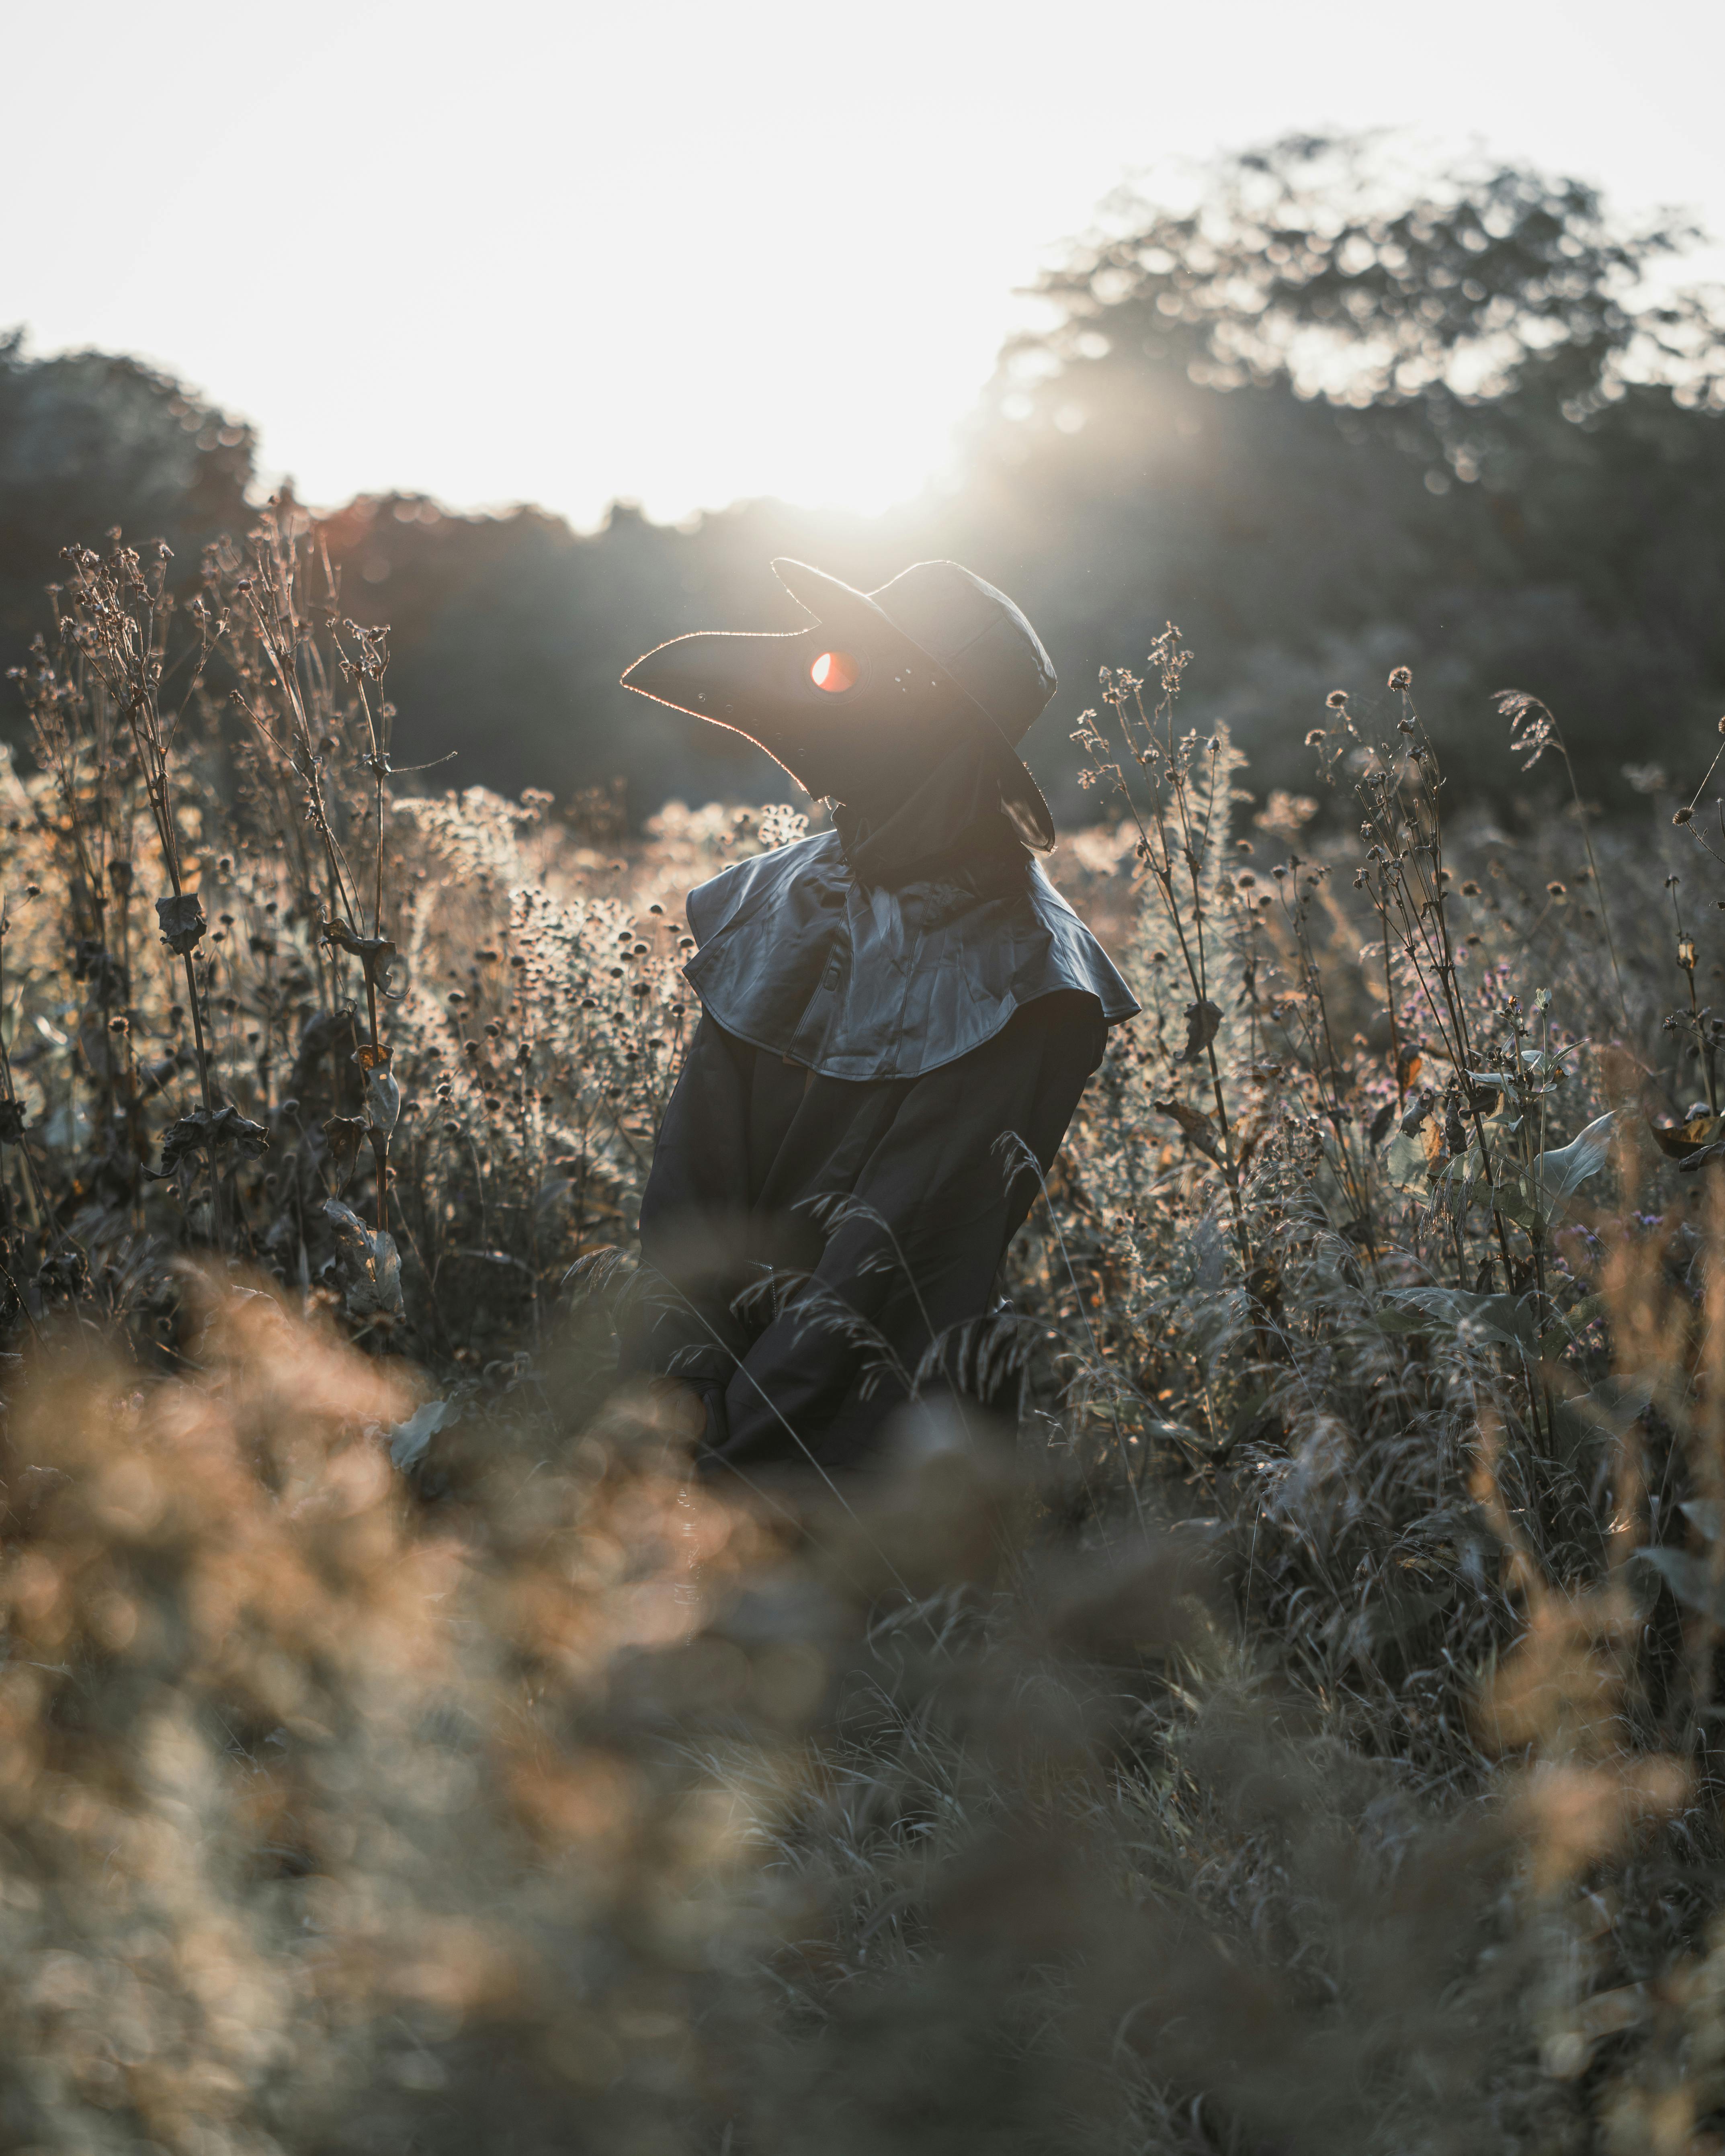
(886, 1011)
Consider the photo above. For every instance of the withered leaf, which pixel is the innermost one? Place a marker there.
(344, 1135)
(12, 1122)
(98, 966)
(1195, 1125)
(181, 915)
(1202, 1021)
(1407, 1066)
(199, 1132)
(382, 1091)
(1679, 1140)
(376, 954)
(1418, 1108)
(370, 1266)
(1380, 1125)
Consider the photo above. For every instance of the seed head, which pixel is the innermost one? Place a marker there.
(1401, 677)
(1337, 699)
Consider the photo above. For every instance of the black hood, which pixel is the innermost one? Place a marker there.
(942, 823)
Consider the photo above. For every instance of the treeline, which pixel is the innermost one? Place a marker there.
(1326, 422)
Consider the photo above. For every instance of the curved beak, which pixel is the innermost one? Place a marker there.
(863, 740)
(754, 683)
(714, 673)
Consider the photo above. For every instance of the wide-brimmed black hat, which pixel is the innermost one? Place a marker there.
(886, 678)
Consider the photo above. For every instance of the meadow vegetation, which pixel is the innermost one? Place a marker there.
(1287, 1727)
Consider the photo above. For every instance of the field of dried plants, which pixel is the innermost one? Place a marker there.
(1291, 1729)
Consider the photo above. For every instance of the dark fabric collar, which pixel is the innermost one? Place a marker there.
(951, 822)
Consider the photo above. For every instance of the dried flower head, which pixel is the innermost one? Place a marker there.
(1531, 728)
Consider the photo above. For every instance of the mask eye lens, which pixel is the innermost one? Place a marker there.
(834, 671)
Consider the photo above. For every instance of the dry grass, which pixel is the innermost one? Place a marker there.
(1296, 1735)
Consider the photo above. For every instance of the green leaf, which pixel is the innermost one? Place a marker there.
(1512, 1200)
(1403, 1162)
(1500, 1318)
(1690, 1578)
(1580, 1315)
(1561, 1173)
(1250, 1413)
(1595, 1420)
(408, 1440)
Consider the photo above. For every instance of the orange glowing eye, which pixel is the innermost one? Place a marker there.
(834, 671)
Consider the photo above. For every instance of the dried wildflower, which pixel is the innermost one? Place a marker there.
(209, 1134)
(1285, 814)
(181, 915)
(1531, 728)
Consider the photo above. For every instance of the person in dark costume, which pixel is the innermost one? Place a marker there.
(881, 1006)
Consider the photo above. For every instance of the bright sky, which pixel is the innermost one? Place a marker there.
(681, 252)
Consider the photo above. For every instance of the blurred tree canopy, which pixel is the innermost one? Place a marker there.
(1332, 417)
(1326, 419)
(88, 441)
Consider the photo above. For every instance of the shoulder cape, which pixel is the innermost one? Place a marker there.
(801, 956)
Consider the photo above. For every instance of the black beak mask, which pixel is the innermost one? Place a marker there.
(864, 707)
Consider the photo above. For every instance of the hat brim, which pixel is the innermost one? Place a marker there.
(832, 602)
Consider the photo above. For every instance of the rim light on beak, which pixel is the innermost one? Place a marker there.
(833, 671)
